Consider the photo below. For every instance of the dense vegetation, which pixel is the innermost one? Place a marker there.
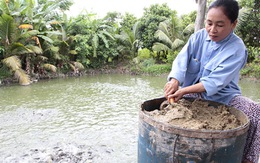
(39, 40)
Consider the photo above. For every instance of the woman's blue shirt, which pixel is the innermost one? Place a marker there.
(215, 64)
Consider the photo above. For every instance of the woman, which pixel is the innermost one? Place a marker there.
(208, 67)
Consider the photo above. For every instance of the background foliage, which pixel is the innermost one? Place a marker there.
(39, 40)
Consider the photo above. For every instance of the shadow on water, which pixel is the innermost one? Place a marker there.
(87, 119)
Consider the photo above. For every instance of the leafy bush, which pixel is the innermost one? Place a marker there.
(256, 68)
(172, 56)
(143, 54)
(253, 54)
(251, 70)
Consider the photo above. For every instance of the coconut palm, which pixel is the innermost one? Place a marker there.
(9, 35)
(37, 14)
(129, 42)
(23, 45)
(244, 13)
(170, 36)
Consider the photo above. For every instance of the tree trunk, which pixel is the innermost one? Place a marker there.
(28, 65)
(199, 24)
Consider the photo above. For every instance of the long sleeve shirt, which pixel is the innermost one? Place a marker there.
(215, 64)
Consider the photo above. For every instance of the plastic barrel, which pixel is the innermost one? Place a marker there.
(163, 143)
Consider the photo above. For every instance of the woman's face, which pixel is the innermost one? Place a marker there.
(218, 25)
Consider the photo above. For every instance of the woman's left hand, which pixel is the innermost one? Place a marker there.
(171, 87)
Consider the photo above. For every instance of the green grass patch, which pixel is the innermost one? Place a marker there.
(157, 69)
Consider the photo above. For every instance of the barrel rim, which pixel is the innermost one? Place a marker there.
(195, 133)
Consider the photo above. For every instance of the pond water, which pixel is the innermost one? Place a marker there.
(92, 117)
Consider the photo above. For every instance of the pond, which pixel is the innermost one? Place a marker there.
(91, 118)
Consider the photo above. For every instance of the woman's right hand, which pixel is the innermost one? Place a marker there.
(171, 87)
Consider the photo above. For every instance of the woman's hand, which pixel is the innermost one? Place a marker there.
(171, 87)
(177, 95)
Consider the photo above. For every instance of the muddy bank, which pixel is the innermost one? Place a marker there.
(195, 115)
(46, 76)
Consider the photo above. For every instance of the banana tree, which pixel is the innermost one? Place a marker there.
(91, 39)
(99, 32)
(62, 49)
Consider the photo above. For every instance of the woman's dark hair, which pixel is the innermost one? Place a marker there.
(230, 8)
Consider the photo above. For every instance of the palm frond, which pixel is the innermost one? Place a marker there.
(189, 29)
(126, 38)
(34, 49)
(72, 67)
(136, 29)
(30, 33)
(79, 65)
(17, 46)
(242, 17)
(4, 7)
(107, 34)
(48, 39)
(163, 27)
(160, 47)
(13, 62)
(163, 37)
(43, 58)
(19, 50)
(63, 33)
(50, 67)
(174, 27)
(64, 43)
(169, 35)
(123, 49)
(177, 43)
(22, 77)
